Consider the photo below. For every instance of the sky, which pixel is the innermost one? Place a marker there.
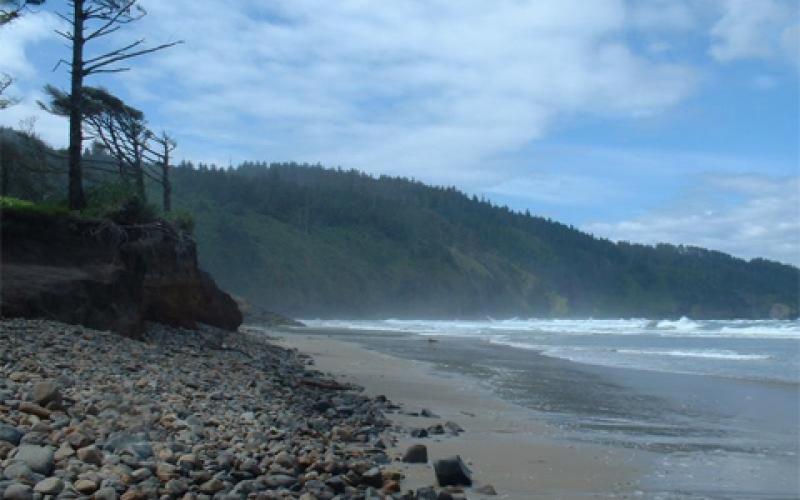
(646, 121)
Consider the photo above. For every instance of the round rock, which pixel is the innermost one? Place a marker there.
(38, 458)
(49, 486)
(18, 491)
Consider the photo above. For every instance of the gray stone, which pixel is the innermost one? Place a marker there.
(49, 486)
(91, 455)
(106, 493)
(46, 392)
(18, 491)
(132, 444)
(38, 458)
(279, 481)
(17, 470)
(176, 486)
(10, 434)
(486, 489)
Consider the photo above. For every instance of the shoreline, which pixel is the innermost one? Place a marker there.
(503, 444)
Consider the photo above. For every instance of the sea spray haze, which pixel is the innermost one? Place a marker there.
(315, 242)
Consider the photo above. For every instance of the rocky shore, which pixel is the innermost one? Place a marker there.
(183, 414)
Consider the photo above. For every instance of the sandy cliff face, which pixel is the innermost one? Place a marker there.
(107, 276)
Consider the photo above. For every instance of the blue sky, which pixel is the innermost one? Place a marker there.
(646, 121)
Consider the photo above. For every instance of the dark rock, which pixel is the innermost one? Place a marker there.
(107, 276)
(416, 454)
(10, 434)
(452, 472)
(321, 406)
(419, 433)
(337, 484)
(279, 481)
(436, 429)
(444, 495)
(427, 413)
(426, 493)
(372, 477)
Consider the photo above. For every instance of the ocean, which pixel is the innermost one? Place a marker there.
(766, 350)
(713, 407)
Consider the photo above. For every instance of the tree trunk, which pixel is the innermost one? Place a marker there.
(139, 171)
(5, 165)
(77, 200)
(165, 181)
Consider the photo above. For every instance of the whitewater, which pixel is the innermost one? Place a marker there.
(765, 350)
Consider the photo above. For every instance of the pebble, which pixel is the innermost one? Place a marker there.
(18, 491)
(91, 455)
(85, 486)
(46, 392)
(197, 415)
(39, 458)
(486, 489)
(49, 486)
(10, 434)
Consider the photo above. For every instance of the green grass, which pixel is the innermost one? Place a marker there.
(17, 205)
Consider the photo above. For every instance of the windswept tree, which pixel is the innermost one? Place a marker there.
(89, 21)
(5, 83)
(165, 145)
(12, 9)
(121, 129)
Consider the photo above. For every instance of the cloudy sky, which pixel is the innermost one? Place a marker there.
(646, 120)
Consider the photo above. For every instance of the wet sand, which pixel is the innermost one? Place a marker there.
(502, 443)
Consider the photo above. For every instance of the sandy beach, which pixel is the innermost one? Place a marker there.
(502, 444)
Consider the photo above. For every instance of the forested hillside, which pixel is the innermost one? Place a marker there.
(309, 241)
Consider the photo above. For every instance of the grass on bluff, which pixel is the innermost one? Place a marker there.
(113, 201)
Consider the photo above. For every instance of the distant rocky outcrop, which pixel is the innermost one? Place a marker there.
(106, 275)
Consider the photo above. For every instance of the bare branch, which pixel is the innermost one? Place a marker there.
(115, 18)
(93, 68)
(114, 52)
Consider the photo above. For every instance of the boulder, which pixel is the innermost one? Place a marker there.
(452, 472)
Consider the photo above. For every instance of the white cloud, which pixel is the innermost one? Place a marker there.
(17, 39)
(662, 15)
(744, 215)
(749, 29)
(423, 88)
